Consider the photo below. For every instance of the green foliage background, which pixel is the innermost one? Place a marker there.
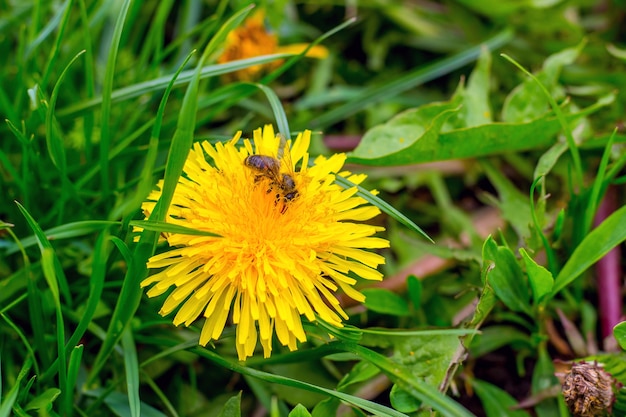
(504, 170)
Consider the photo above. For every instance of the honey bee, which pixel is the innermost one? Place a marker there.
(269, 167)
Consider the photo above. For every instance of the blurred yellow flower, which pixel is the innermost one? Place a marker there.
(253, 39)
(280, 256)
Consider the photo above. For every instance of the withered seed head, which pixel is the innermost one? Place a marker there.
(588, 390)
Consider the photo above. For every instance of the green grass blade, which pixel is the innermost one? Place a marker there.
(163, 397)
(49, 264)
(294, 59)
(130, 295)
(120, 147)
(54, 141)
(159, 84)
(279, 112)
(496, 401)
(54, 53)
(571, 143)
(372, 407)
(183, 136)
(382, 205)
(7, 405)
(598, 184)
(6, 164)
(101, 253)
(233, 93)
(90, 85)
(20, 334)
(73, 368)
(65, 231)
(44, 244)
(155, 35)
(53, 23)
(550, 255)
(131, 365)
(107, 89)
(419, 389)
(146, 178)
(164, 227)
(597, 243)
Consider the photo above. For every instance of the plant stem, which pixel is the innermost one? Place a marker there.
(608, 273)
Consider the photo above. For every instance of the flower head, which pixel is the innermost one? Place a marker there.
(277, 258)
(254, 39)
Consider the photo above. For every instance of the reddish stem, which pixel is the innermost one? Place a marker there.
(608, 272)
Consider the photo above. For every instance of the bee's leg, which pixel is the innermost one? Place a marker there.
(283, 209)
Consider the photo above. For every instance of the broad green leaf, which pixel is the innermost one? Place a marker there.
(619, 331)
(486, 302)
(414, 288)
(385, 301)
(496, 336)
(403, 401)
(505, 276)
(362, 371)
(299, 411)
(541, 280)
(475, 109)
(610, 233)
(232, 407)
(386, 146)
(496, 401)
(398, 141)
(325, 408)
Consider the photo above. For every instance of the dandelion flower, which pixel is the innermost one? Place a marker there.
(253, 39)
(277, 259)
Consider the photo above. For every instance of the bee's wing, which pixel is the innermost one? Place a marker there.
(281, 146)
(284, 153)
